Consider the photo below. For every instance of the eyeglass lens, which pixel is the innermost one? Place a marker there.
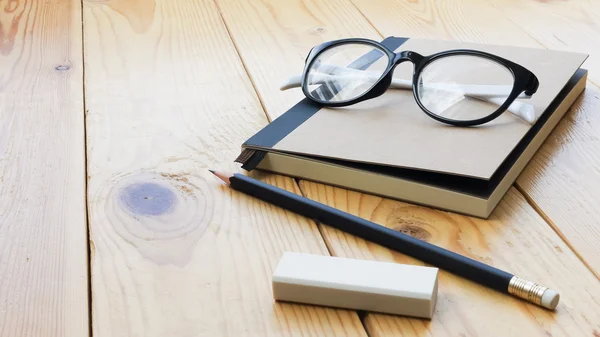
(464, 87)
(345, 72)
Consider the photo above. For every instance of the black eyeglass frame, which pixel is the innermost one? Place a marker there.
(524, 80)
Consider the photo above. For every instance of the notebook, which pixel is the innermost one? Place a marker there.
(388, 146)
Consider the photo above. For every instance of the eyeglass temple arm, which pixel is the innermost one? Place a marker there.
(522, 110)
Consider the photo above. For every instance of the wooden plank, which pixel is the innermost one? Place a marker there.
(514, 238)
(273, 39)
(561, 25)
(175, 253)
(463, 20)
(562, 179)
(43, 232)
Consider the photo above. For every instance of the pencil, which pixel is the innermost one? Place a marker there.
(457, 264)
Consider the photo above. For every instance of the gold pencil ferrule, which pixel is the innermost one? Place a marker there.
(527, 290)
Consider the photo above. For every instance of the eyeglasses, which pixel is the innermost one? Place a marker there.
(460, 87)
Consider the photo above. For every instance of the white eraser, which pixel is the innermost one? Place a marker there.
(367, 285)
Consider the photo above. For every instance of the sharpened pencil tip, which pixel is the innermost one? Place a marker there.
(221, 175)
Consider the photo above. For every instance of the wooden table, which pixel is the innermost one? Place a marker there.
(112, 112)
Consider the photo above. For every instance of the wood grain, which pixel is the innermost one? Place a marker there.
(463, 20)
(561, 25)
(175, 253)
(515, 237)
(43, 242)
(563, 179)
(273, 39)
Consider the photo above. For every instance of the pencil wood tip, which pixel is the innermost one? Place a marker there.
(221, 175)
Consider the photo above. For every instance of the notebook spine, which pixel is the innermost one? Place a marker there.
(250, 158)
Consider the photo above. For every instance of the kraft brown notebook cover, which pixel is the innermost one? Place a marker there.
(388, 146)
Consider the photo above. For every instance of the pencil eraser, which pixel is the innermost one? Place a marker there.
(550, 299)
(357, 284)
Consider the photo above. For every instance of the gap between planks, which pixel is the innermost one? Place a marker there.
(552, 225)
(243, 63)
(361, 316)
(85, 183)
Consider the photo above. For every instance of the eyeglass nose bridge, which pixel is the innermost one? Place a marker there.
(407, 55)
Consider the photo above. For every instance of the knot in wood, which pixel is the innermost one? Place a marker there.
(62, 67)
(162, 215)
(158, 207)
(415, 231)
(318, 30)
(410, 226)
(147, 198)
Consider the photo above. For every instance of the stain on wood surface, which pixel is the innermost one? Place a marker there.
(162, 215)
(147, 198)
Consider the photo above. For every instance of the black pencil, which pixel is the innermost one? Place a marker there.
(457, 264)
